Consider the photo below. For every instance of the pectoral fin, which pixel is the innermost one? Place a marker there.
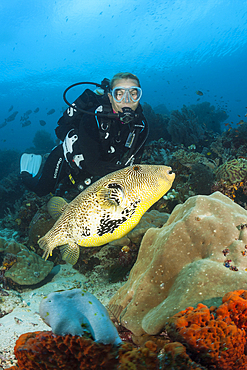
(105, 199)
(110, 196)
(56, 207)
(70, 253)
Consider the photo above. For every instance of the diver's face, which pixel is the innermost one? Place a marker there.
(126, 102)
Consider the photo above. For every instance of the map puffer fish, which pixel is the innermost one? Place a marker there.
(107, 210)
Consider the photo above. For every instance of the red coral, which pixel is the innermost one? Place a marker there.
(215, 340)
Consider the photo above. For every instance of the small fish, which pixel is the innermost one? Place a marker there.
(209, 153)
(42, 122)
(11, 117)
(198, 92)
(51, 111)
(28, 112)
(26, 123)
(3, 124)
(107, 210)
(36, 110)
(11, 107)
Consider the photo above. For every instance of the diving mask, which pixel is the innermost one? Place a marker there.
(128, 94)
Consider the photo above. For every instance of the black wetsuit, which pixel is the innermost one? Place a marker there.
(103, 145)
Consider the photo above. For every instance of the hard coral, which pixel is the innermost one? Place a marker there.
(46, 351)
(179, 265)
(215, 340)
(233, 171)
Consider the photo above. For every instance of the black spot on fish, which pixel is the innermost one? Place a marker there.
(86, 231)
(108, 225)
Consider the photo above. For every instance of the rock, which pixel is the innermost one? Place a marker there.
(197, 256)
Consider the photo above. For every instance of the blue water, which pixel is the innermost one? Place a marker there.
(175, 48)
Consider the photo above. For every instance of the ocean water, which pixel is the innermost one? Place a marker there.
(176, 48)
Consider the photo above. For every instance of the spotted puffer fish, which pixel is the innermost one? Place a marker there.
(107, 210)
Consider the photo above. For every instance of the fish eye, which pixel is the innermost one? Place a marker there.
(136, 168)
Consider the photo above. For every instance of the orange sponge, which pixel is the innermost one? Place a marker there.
(214, 340)
(47, 351)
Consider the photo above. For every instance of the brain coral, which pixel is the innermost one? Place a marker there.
(232, 171)
(217, 337)
(197, 256)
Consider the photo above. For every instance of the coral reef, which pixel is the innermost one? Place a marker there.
(28, 268)
(208, 116)
(237, 191)
(186, 157)
(201, 179)
(204, 338)
(23, 207)
(215, 336)
(157, 123)
(45, 350)
(9, 162)
(179, 265)
(184, 127)
(157, 152)
(10, 192)
(39, 225)
(232, 171)
(176, 358)
(235, 139)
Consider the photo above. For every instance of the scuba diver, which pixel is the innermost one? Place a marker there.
(101, 132)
